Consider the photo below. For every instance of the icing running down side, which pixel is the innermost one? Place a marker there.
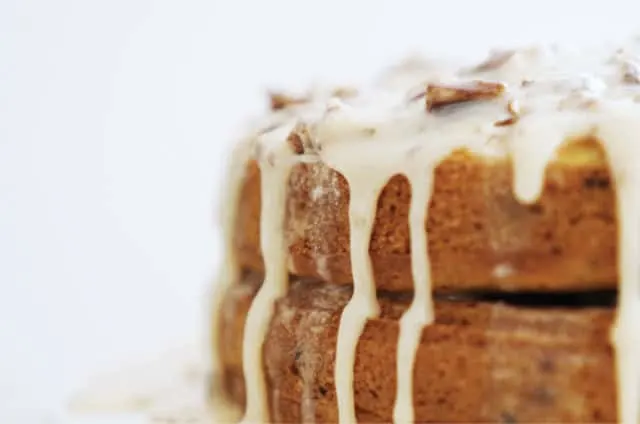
(275, 164)
(229, 272)
(522, 104)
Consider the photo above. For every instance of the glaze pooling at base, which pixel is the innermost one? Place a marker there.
(387, 130)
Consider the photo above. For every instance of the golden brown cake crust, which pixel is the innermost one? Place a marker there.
(479, 235)
(479, 362)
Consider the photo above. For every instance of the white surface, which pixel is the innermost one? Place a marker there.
(115, 117)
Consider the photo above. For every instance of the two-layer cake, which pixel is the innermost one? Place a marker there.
(447, 244)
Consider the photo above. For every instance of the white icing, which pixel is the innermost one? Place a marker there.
(275, 164)
(619, 136)
(386, 130)
(229, 272)
(364, 191)
(420, 312)
(617, 127)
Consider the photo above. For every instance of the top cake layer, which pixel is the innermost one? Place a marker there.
(479, 236)
(522, 198)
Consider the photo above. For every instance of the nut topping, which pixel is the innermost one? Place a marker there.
(514, 114)
(281, 101)
(439, 95)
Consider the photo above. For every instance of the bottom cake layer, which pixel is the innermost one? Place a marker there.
(480, 361)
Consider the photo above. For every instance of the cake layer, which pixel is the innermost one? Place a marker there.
(479, 362)
(479, 235)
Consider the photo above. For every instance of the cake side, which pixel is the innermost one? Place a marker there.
(479, 362)
(480, 236)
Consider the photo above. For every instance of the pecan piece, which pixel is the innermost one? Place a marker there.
(439, 95)
(514, 114)
(279, 101)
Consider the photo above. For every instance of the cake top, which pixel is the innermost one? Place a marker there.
(418, 96)
(420, 110)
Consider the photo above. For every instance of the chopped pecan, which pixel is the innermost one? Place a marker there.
(496, 59)
(439, 95)
(300, 140)
(281, 101)
(514, 114)
(630, 72)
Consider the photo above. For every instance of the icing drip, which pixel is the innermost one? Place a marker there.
(420, 312)
(229, 272)
(275, 165)
(530, 158)
(363, 304)
(619, 139)
(625, 335)
(616, 129)
(339, 125)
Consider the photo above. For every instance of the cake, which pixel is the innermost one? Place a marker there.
(451, 242)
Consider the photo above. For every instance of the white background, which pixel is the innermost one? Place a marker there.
(115, 119)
